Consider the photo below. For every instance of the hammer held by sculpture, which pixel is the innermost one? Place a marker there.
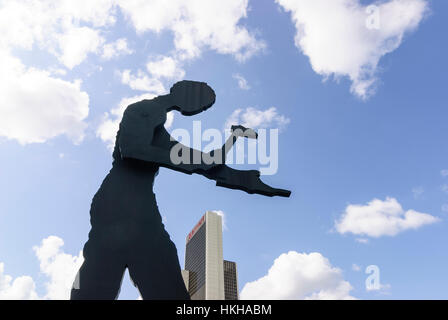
(127, 229)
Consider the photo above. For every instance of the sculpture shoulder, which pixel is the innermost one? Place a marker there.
(149, 111)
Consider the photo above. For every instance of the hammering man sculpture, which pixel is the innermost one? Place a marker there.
(127, 229)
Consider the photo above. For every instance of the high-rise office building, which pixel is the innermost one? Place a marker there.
(230, 281)
(204, 274)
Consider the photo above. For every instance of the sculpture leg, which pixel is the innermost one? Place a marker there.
(156, 272)
(99, 277)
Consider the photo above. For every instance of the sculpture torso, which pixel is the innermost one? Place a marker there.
(126, 193)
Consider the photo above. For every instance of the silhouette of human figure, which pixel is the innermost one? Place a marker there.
(127, 229)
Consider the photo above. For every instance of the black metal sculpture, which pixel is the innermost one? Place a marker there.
(127, 229)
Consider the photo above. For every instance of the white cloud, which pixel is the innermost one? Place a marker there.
(142, 82)
(362, 240)
(58, 27)
(35, 107)
(66, 27)
(59, 267)
(381, 218)
(71, 30)
(57, 71)
(115, 49)
(242, 82)
(77, 43)
(338, 39)
(224, 218)
(165, 67)
(254, 118)
(99, 13)
(299, 276)
(162, 67)
(444, 173)
(21, 288)
(108, 128)
(196, 24)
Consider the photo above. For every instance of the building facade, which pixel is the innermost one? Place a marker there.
(204, 273)
(230, 281)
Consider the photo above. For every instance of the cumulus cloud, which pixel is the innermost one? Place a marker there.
(381, 218)
(142, 82)
(108, 128)
(72, 30)
(347, 38)
(196, 24)
(242, 82)
(165, 67)
(255, 118)
(21, 288)
(59, 267)
(58, 27)
(77, 43)
(115, 49)
(299, 276)
(158, 69)
(35, 106)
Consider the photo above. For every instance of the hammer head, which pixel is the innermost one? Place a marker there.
(241, 131)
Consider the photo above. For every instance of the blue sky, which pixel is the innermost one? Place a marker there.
(364, 149)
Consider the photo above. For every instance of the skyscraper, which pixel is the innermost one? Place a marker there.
(230, 281)
(205, 274)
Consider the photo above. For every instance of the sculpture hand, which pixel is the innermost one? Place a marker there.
(245, 180)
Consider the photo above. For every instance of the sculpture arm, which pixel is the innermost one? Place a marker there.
(245, 180)
(225, 176)
(178, 156)
(144, 138)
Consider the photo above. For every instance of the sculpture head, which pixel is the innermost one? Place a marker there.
(192, 97)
